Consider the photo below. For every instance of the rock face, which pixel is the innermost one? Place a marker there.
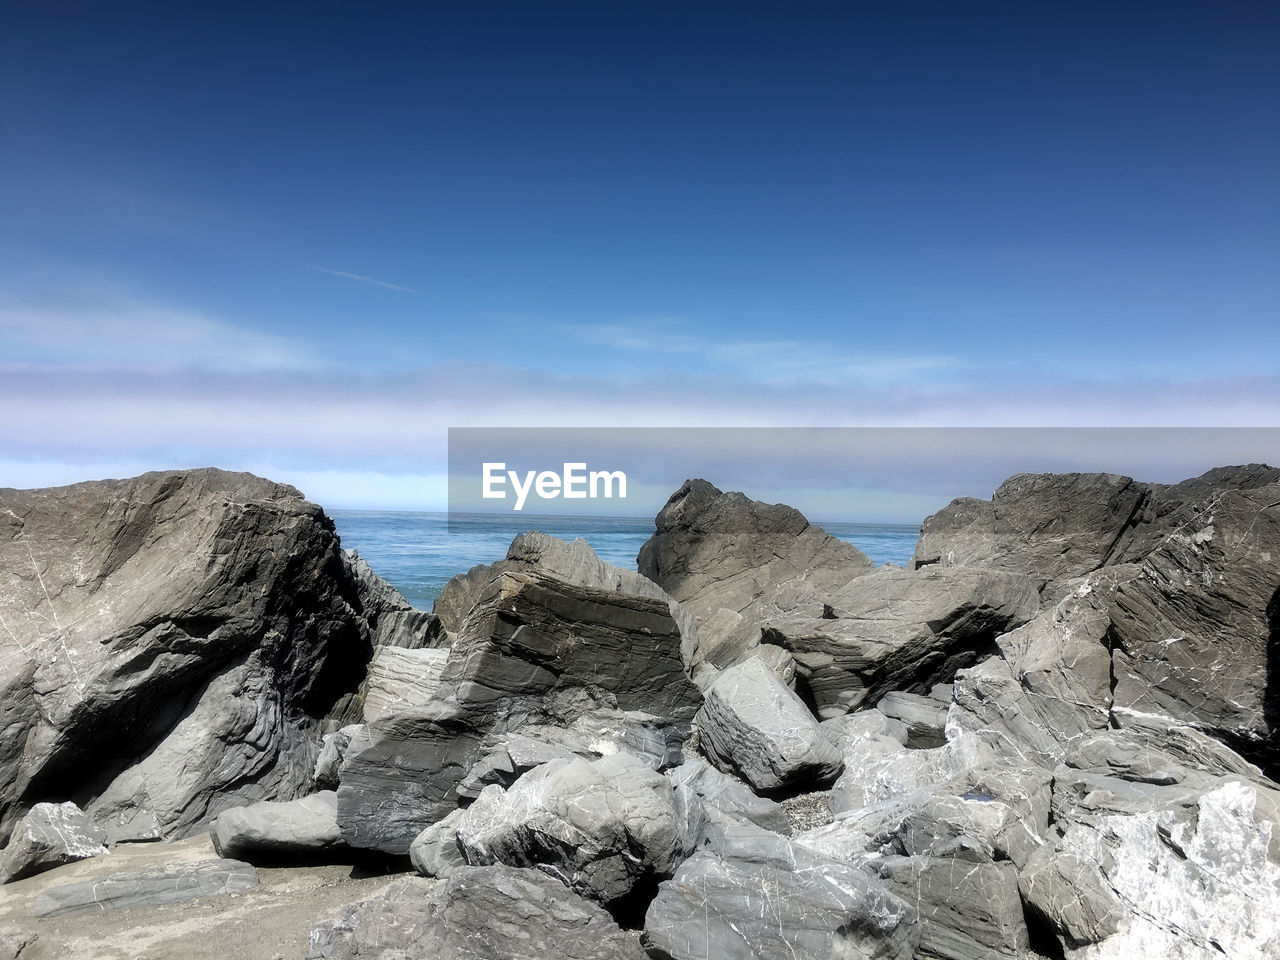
(401, 680)
(535, 651)
(279, 830)
(144, 888)
(50, 835)
(716, 551)
(479, 912)
(205, 618)
(753, 725)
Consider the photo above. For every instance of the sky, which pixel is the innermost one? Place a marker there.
(307, 240)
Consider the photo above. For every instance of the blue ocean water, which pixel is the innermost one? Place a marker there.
(418, 553)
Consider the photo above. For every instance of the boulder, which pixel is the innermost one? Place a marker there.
(708, 803)
(50, 835)
(896, 630)
(401, 680)
(536, 652)
(756, 727)
(478, 912)
(763, 896)
(878, 769)
(275, 830)
(923, 717)
(206, 619)
(715, 551)
(606, 828)
(150, 887)
(435, 851)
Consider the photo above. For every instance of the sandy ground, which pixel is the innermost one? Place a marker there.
(270, 921)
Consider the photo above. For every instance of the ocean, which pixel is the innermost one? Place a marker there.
(417, 554)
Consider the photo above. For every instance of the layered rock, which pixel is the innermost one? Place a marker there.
(206, 619)
(50, 835)
(150, 887)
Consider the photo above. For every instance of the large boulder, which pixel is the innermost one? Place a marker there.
(756, 727)
(274, 830)
(206, 619)
(536, 651)
(478, 912)
(721, 554)
(710, 804)
(401, 680)
(50, 835)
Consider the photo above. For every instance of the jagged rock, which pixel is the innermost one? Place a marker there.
(435, 851)
(763, 896)
(968, 911)
(877, 769)
(536, 650)
(200, 616)
(850, 728)
(971, 826)
(924, 717)
(718, 551)
(895, 630)
(147, 888)
(401, 680)
(755, 726)
(604, 827)
(478, 913)
(50, 835)
(274, 830)
(394, 621)
(333, 748)
(1071, 895)
(708, 803)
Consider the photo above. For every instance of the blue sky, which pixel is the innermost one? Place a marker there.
(306, 241)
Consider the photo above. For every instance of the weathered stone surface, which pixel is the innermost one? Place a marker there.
(605, 827)
(924, 717)
(968, 911)
(435, 851)
(50, 835)
(877, 769)
(535, 651)
(11, 947)
(898, 630)
(203, 614)
(478, 913)
(150, 887)
(755, 726)
(394, 621)
(273, 830)
(763, 896)
(715, 551)
(333, 748)
(708, 803)
(401, 680)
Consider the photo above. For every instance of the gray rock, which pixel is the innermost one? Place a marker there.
(401, 680)
(394, 621)
(1070, 895)
(895, 630)
(753, 725)
(478, 913)
(11, 947)
(151, 887)
(763, 896)
(968, 911)
(50, 835)
(536, 651)
(304, 829)
(333, 748)
(708, 802)
(924, 717)
(878, 769)
(603, 827)
(718, 551)
(200, 614)
(435, 852)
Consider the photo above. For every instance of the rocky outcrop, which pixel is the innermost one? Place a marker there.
(401, 680)
(756, 727)
(50, 835)
(276, 831)
(497, 911)
(147, 888)
(206, 619)
(392, 620)
(716, 551)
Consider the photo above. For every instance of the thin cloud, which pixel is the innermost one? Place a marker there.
(361, 278)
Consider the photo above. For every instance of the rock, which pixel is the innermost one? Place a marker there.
(11, 947)
(270, 831)
(198, 616)
(606, 828)
(967, 910)
(972, 826)
(718, 551)
(764, 896)
(401, 680)
(50, 835)
(708, 802)
(1070, 895)
(895, 630)
(435, 852)
(753, 725)
(878, 769)
(394, 621)
(536, 650)
(153, 886)
(478, 913)
(925, 718)
(333, 748)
